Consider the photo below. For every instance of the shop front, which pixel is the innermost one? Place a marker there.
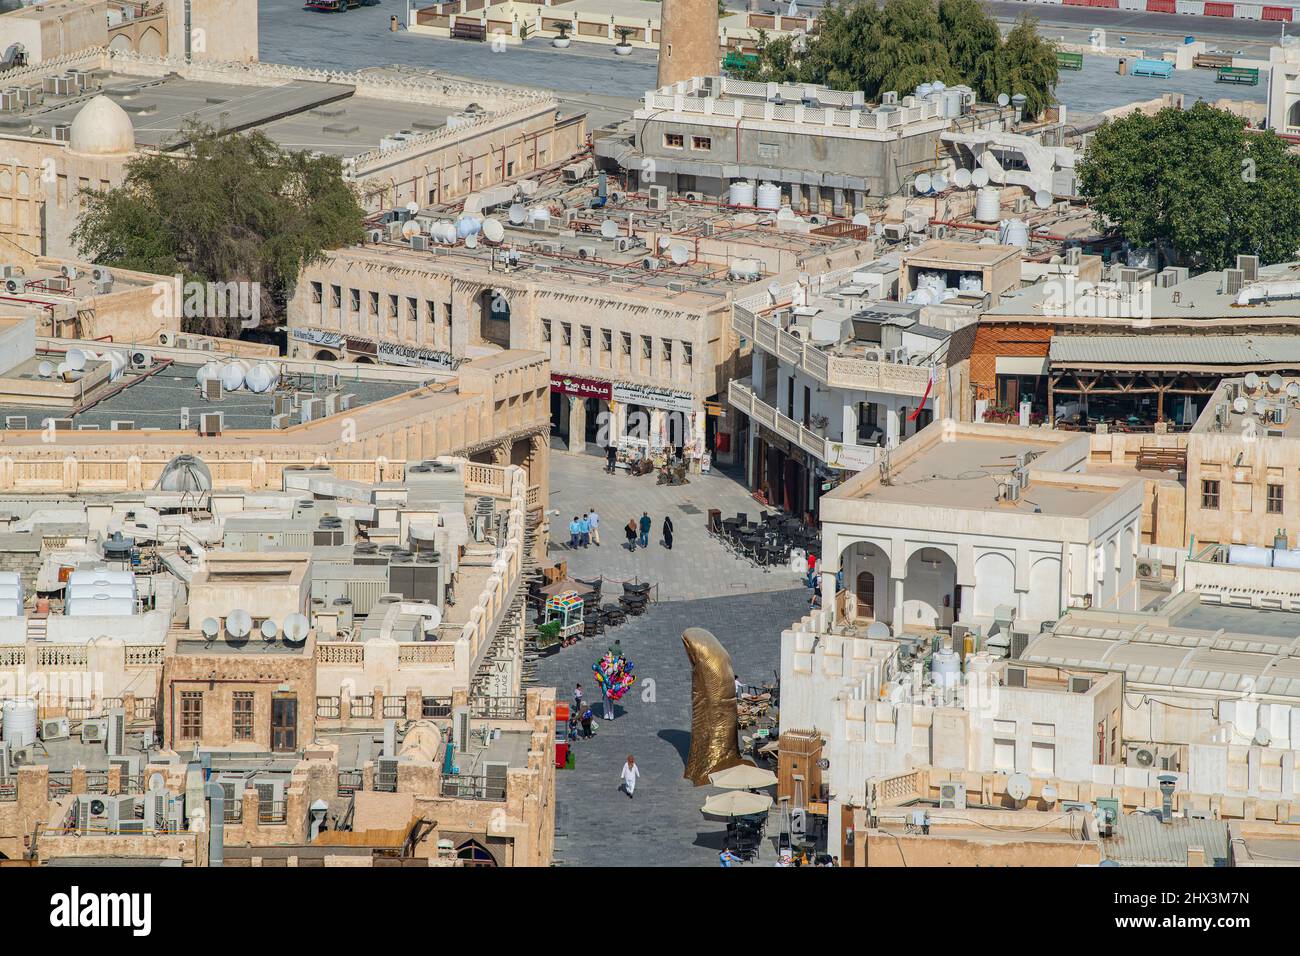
(580, 411)
(658, 422)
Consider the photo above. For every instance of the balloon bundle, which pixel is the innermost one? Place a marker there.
(613, 675)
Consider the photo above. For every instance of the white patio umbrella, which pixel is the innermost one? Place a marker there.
(744, 776)
(736, 803)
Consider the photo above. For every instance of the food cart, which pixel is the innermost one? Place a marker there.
(566, 608)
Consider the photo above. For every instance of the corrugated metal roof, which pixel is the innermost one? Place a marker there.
(1142, 840)
(1243, 350)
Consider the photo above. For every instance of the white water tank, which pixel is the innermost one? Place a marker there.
(945, 669)
(769, 196)
(539, 214)
(988, 205)
(952, 102)
(18, 723)
(970, 282)
(1014, 232)
(261, 377)
(98, 605)
(467, 226)
(741, 193)
(1250, 555)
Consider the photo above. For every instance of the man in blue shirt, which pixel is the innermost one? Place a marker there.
(645, 529)
(575, 529)
(584, 530)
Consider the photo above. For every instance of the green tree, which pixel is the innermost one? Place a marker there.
(900, 44)
(1197, 184)
(228, 208)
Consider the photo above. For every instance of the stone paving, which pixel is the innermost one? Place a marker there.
(701, 585)
(697, 567)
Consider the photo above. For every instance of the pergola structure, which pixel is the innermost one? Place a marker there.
(1088, 381)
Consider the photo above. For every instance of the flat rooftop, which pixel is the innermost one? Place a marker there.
(1221, 414)
(965, 474)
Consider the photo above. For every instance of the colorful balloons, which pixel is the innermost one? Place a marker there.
(613, 675)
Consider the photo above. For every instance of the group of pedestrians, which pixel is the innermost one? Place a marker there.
(585, 530)
(582, 717)
(637, 532)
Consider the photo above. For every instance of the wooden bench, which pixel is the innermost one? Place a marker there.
(1212, 61)
(1069, 61)
(1246, 76)
(468, 30)
(1162, 459)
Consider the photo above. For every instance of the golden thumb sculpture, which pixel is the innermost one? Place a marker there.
(713, 707)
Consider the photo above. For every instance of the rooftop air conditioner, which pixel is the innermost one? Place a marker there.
(167, 339)
(952, 795)
(56, 728)
(17, 422)
(94, 731)
(658, 197)
(212, 390)
(586, 252)
(210, 423)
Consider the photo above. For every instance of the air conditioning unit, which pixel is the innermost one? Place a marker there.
(122, 425)
(938, 231)
(280, 421)
(1140, 755)
(1235, 279)
(694, 197)
(419, 243)
(346, 401)
(658, 197)
(386, 774)
(94, 731)
(1148, 570)
(210, 423)
(1015, 677)
(952, 795)
(1080, 685)
(896, 231)
(1019, 641)
(586, 252)
(799, 332)
(120, 815)
(141, 360)
(16, 422)
(56, 728)
(375, 235)
(460, 729)
(130, 766)
(59, 424)
(874, 355)
(100, 274)
(167, 339)
(13, 286)
(1249, 267)
(212, 390)
(115, 735)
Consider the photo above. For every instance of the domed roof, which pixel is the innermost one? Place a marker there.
(102, 128)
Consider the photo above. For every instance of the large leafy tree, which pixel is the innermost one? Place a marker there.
(897, 45)
(227, 208)
(1197, 184)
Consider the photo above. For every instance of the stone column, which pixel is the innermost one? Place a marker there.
(577, 425)
(898, 606)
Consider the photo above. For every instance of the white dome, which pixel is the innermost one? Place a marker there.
(102, 128)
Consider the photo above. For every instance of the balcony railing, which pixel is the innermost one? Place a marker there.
(471, 787)
(497, 708)
(837, 371)
(272, 811)
(743, 399)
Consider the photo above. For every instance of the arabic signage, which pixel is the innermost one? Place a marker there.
(582, 387)
(361, 346)
(416, 357)
(649, 396)
(318, 337)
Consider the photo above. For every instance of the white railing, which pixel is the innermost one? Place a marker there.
(743, 399)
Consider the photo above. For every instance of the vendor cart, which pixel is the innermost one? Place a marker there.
(566, 608)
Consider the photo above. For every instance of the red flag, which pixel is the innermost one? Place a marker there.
(928, 386)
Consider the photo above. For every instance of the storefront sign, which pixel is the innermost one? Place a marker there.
(648, 396)
(361, 346)
(849, 457)
(322, 337)
(417, 357)
(582, 387)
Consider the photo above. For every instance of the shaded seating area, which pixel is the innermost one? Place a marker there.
(766, 540)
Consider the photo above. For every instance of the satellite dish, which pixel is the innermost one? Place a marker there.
(493, 231)
(609, 229)
(1275, 382)
(680, 255)
(859, 219)
(412, 207)
(410, 229)
(210, 627)
(517, 213)
(1019, 786)
(774, 290)
(471, 242)
(961, 178)
(433, 617)
(1262, 737)
(238, 623)
(1251, 381)
(1042, 199)
(1003, 99)
(939, 182)
(76, 359)
(878, 631)
(980, 178)
(269, 630)
(664, 242)
(1240, 405)
(1049, 793)
(1293, 390)
(922, 183)
(1261, 407)
(296, 628)
(45, 369)
(157, 783)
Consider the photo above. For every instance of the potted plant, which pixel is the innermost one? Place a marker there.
(562, 40)
(622, 47)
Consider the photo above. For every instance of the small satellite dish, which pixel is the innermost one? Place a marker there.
(680, 255)
(774, 290)
(1019, 786)
(860, 219)
(1261, 407)
(922, 183)
(1003, 99)
(665, 242)
(471, 242)
(1293, 390)
(1262, 737)
(1240, 405)
(1049, 793)
(45, 369)
(1275, 382)
(157, 783)
(269, 630)
(609, 229)
(938, 182)
(412, 207)
(1042, 199)
(493, 231)
(980, 178)
(1251, 381)
(961, 178)
(410, 229)
(238, 623)
(878, 631)
(76, 359)
(517, 213)
(210, 626)
(296, 628)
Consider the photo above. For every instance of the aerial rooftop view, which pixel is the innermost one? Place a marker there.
(650, 434)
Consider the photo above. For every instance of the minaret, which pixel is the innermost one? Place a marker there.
(688, 40)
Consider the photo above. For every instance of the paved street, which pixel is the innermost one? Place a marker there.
(701, 585)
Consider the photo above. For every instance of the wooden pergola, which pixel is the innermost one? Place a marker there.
(1087, 381)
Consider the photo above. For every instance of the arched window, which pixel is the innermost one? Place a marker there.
(1293, 114)
(473, 853)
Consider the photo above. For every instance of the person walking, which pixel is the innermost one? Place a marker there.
(594, 518)
(668, 532)
(630, 773)
(577, 698)
(645, 529)
(584, 529)
(611, 458)
(630, 531)
(574, 530)
(587, 716)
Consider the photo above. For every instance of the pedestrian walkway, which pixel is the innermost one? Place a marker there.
(697, 567)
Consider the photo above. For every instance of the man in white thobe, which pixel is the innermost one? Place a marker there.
(630, 772)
